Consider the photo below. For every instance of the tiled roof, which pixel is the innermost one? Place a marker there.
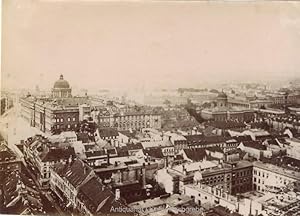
(226, 124)
(57, 154)
(18, 186)
(272, 142)
(107, 132)
(89, 147)
(254, 144)
(200, 139)
(6, 154)
(111, 151)
(153, 144)
(122, 151)
(95, 153)
(242, 138)
(215, 149)
(128, 133)
(84, 137)
(134, 146)
(77, 172)
(195, 154)
(93, 193)
(154, 152)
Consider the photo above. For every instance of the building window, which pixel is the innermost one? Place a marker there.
(61, 120)
(74, 119)
(69, 119)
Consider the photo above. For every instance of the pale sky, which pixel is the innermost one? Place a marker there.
(106, 44)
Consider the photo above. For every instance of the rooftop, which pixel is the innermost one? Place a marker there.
(276, 169)
(168, 200)
(254, 144)
(195, 154)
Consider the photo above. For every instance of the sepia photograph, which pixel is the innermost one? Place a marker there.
(150, 108)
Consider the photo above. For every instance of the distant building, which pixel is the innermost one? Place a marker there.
(129, 120)
(222, 111)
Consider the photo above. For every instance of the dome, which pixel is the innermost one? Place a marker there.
(222, 95)
(61, 83)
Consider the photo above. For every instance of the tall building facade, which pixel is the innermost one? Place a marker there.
(58, 112)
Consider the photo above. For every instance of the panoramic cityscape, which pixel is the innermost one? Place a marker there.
(106, 111)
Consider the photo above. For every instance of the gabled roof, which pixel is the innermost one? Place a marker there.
(77, 172)
(195, 154)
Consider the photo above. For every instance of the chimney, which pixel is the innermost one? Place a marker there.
(166, 162)
(108, 159)
(117, 194)
(143, 175)
(184, 169)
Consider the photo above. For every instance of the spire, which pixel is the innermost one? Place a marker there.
(61, 77)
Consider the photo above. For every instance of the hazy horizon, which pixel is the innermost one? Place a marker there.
(101, 45)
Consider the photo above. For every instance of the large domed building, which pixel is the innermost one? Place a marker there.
(61, 88)
(223, 111)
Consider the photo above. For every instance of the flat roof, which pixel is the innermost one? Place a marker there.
(276, 169)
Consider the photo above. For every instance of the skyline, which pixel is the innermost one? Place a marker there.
(102, 45)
